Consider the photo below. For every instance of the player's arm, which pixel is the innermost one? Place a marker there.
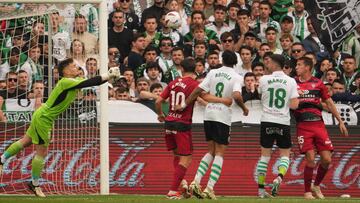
(240, 102)
(158, 109)
(294, 103)
(332, 108)
(112, 74)
(190, 99)
(214, 99)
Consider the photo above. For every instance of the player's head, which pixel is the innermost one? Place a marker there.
(277, 62)
(229, 58)
(188, 65)
(304, 65)
(67, 68)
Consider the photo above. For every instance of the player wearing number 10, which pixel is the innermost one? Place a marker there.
(278, 94)
(43, 119)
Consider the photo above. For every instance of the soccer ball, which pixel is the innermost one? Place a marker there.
(172, 19)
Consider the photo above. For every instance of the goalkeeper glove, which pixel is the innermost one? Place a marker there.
(112, 75)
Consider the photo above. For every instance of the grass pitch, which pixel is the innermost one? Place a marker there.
(156, 198)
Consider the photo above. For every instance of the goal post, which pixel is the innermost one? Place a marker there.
(104, 126)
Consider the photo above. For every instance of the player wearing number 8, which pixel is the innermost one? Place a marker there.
(278, 94)
(311, 131)
(226, 83)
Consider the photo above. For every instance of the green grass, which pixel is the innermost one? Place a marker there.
(153, 198)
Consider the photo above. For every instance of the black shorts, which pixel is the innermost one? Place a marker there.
(218, 132)
(272, 133)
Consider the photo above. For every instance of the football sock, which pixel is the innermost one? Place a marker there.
(14, 148)
(37, 165)
(261, 170)
(321, 172)
(176, 161)
(308, 175)
(203, 167)
(179, 174)
(215, 171)
(283, 166)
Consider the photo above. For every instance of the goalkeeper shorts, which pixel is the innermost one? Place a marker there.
(40, 130)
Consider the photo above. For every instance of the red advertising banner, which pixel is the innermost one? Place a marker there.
(139, 162)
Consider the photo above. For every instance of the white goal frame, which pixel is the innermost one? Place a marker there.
(104, 123)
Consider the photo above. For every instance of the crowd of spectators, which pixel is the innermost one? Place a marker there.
(149, 52)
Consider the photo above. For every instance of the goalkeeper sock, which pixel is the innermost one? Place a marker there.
(37, 165)
(215, 171)
(261, 170)
(14, 148)
(203, 167)
(283, 166)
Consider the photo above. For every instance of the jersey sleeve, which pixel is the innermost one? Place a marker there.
(68, 83)
(293, 91)
(205, 84)
(324, 91)
(238, 84)
(166, 92)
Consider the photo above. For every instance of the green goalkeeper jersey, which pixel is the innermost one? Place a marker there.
(61, 97)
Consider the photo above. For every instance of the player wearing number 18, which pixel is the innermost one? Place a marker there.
(178, 135)
(278, 94)
(43, 119)
(311, 130)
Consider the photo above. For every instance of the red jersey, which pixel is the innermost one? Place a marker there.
(178, 90)
(310, 107)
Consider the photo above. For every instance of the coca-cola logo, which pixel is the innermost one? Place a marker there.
(125, 170)
(346, 171)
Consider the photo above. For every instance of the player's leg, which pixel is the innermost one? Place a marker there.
(283, 141)
(13, 149)
(308, 173)
(282, 168)
(266, 143)
(215, 170)
(37, 166)
(184, 151)
(261, 170)
(325, 160)
(221, 137)
(205, 162)
(325, 148)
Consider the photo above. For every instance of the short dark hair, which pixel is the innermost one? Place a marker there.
(198, 12)
(279, 59)
(249, 74)
(155, 86)
(152, 64)
(334, 70)
(220, 7)
(307, 61)
(246, 47)
(253, 65)
(177, 49)
(188, 65)
(229, 58)
(270, 28)
(63, 64)
(266, 3)
(137, 36)
(339, 81)
(243, 12)
(226, 35)
(150, 48)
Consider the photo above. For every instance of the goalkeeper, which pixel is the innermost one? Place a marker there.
(39, 132)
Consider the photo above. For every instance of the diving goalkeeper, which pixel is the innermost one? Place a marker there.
(39, 131)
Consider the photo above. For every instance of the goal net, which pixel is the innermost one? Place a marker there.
(33, 39)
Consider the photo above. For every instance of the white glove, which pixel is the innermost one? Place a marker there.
(114, 73)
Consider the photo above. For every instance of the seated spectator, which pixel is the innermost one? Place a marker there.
(340, 95)
(199, 66)
(175, 70)
(77, 52)
(249, 91)
(150, 55)
(11, 92)
(154, 73)
(122, 93)
(331, 75)
(91, 67)
(148, 98)
(258, 69)
(80, 33)
(23, 81)
(142, 84)
(32, 65)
